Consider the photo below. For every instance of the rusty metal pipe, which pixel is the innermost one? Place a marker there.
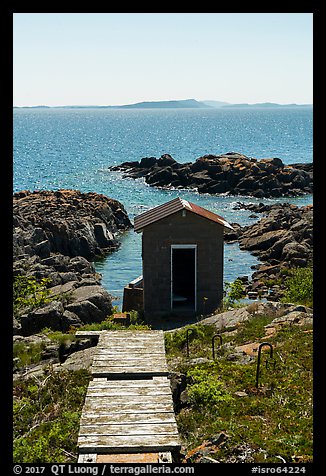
(258, 360)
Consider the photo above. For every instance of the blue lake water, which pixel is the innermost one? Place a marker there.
(73, 148)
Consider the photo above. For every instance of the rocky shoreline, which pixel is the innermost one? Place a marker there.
(56, 235)
(231, 173)
(282, 239)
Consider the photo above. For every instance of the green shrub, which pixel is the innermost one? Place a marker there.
(233, 293)
(46, 416)
(58, 337)
(27, 354)
(205, 388)
(299, 287)
(28, 293)
(199, 337)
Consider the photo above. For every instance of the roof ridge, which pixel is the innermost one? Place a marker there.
(173, 206)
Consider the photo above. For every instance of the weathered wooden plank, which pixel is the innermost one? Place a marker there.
(130, 349)
(132, 335)
(125, 337)
(114, 444)
(116, 393)
(88, 333)
(127, 399)
(129, 362)
(132, 332)
(159, 358)
(146, 347)
(116, 388)
(129, 368)
(107, 338)
(148, 353)
(127, 418)
(122, 360)
(131, 429)
(87, 458)
(150, 407)
(134, 415)
(161, 366)
(143, 383)
(108, 367)
(144, 458)
(130, 344)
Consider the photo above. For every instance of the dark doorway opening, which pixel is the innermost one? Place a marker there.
(183, 276)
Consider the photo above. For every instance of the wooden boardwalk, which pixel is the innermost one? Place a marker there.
(128, 406)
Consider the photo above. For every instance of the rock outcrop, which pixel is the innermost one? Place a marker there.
(66, 221)
(283, 235)
(231, 173)
(283, 238)
(56, 235)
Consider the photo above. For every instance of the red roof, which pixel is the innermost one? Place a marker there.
(162, 211)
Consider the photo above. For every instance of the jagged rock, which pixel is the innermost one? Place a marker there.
(96, 294)
(71, 319)
(68, 222)
(82, 359)
(178, 382)
(87, 312)
(282, 239)
(49, 315)
(17, 327)
(228, 319)
(261, 242)
(56, 234)
(230, 173)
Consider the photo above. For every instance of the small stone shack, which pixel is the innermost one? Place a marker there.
(182, 254)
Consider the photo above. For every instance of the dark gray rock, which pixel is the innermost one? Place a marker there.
(147, 162)
(71, 319)
(87, 312)
(64, 222)
(228, 173)
(161, 177)
(49, 316)
(42, 249)
(178, 382)
(166, 160)
(103, 236)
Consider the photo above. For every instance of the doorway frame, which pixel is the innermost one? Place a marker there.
(183, 247)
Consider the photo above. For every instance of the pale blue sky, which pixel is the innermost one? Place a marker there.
(122, 58)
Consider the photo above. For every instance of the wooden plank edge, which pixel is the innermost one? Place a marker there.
(87, 458)
(129, 449)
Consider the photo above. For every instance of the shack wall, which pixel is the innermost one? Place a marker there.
(156, 253)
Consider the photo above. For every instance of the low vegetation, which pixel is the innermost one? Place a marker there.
(46, 416)
(110, 325)
(29, 293)
(274, 420)
(299, 286)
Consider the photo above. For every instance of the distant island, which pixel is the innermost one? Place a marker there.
(176, 104)
(265, 105)
(180, 104)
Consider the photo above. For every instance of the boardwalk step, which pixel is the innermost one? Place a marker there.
(122, 443)
(128, 406)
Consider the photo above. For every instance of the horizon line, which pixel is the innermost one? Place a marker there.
(162, 101)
